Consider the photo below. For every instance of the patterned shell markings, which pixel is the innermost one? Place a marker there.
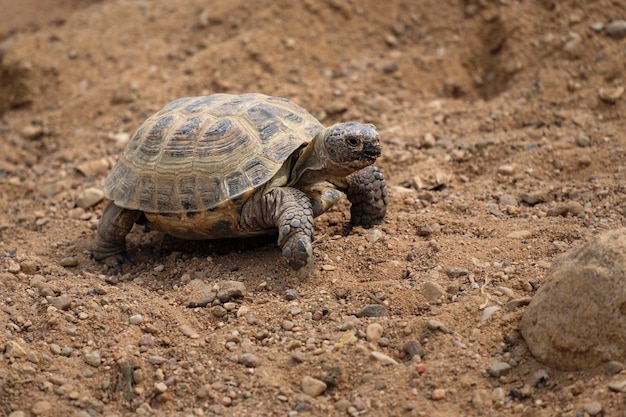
(200, 152)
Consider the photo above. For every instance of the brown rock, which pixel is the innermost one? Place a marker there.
(575, 321)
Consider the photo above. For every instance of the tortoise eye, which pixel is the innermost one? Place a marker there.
(352, 142)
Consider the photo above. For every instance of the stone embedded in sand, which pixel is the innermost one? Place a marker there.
(576, 319)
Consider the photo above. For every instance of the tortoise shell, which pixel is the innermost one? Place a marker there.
(207, 153)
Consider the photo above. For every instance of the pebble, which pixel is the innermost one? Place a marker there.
(291, 294)
(433, 324)
(520, 234)
(597, 26)
(614, 367)
(611, 95)
(488, 312)
(383, 359)
(95, 167)
(62, 302)
(413, 348)
(583, 140)
(13, 349)
(374, 332)
(513, 304)
(18, 413)
(432, 291)
(249, 360)
(508, 200)
(189, 331)
(534, 197)
(617, 29)
(313, 387)
(32, 132)
(92, 358)
(481, 398)
(618, 386)
(538, 378)
(198, 294)
(498, 368)
(592, 408)
(506, 169)
(28, 267)
(89, 197)
(438, 394)
(498, 395)
(41, 408)
(374, 235)
(136, 319)
(69, 262)
(230, 290)
(456, 272)
(160, 387)
(287, 325)
(14, 268)
(372, 310)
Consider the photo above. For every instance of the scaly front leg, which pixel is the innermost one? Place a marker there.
(367, 191)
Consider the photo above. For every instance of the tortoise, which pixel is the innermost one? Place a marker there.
(223, 165)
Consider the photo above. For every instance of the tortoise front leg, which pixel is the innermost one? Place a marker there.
(110, 243)
(367, 191)
(289, 210)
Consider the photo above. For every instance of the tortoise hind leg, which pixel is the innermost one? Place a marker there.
(109, 246)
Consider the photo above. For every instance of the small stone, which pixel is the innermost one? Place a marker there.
(611, 95)
(597, 26)
(433, 324)
(374, 332)
(583, 140)
(429, 141)
(242, 311)
(432, 291)
(32, 132)
(291, 294)
(616, 29)
(69, 262)
(592, 408)
(498, 369)
(372, 310)
(230, 290)
(614, 367)
(287, 325)
(14, 268)
(438, 394)
(41, 408)
(456, 272)
(488, 312)
(160, 387)
(62, 302)
(513, 304)
(481, 398)
(28, 267)
(136, 319)
(520, 234)
(18, 413)
(89, 197)
(498, 395)
(198, 294)
(413, 348)
(14, 350)
(535, 197)
(538, 378)
(618, 386)
(506, 169)
(92, 358)
(249, 360)
(95, 167)
(313, 387)
(374, 235)
(508, 200)
(382, 358)
(189, 331)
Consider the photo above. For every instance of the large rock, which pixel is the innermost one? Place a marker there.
(577, 319)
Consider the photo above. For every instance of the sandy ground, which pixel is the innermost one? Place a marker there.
(503, 127)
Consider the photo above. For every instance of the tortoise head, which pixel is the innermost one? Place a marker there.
(351, 145)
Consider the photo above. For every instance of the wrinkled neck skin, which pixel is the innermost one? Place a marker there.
(313, 165)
